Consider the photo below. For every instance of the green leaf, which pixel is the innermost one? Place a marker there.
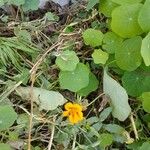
(23, 35)
(92, 86)
(136, 82)
(106, 7)
(118, 96)
(128, 55)
(93, 37)
(91, 4)
(16, 2)
(106, 139)
(30, 5)
(105, 113)
(47, 100)
(145, 50)
(146, 101)
(114, 128)
(13, 136)
(67, 61)
(99, 56)
(7, 117)
(145, 146)
(5, 146)
(1, 3)
(75, 80)
(144, 17)
(111, 42)
(123, 2)
(51, 16)
(23, 120)
(125, 20)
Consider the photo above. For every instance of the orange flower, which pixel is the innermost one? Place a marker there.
(73, 112)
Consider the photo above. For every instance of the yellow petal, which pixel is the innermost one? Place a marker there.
(80, 115)
(78, 107)
(73, 119)
(68, 106)
(66, 113)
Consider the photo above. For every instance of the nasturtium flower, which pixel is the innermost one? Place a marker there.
(74, 112)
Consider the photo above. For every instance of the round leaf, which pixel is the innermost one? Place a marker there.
(100, 57)
(93, 37)
(67, 61)
(128, 55)
(144, 17)
(122, 2)
(5, 146)
(92, 86)
(111, 42)
(125, 20)
(30, 5)
(146, 101)
(75, 80)
(145, 146)
(106, 7)
(7, 117)
(145, 50)
(136, 82)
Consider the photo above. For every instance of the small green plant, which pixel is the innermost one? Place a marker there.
(65, 88)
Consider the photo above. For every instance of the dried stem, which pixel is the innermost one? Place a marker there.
(134, 126)
(33, 75)
(52, 134)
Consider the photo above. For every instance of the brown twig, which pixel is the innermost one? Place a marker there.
(32, 77)
(52, 134)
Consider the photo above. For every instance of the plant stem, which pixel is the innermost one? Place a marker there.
(74, 142)
(52, 134)
(95, 99)
(134, 126)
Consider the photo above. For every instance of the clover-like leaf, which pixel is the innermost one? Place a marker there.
(136, 82)
(51, 16)
(67, 61)
(123, 2)
(7, 117)
(111, 42)
(91, 4)
(128, 55)
(75, 80)
(47, 100)
(118, 97)
(145, 50)
(144, 17)
(92, 86)
(93, 37)
(99, 56)
(106, 7)
(125, 20)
